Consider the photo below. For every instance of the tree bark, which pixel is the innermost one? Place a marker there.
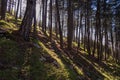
(3, 9)
(70, 25)
(58, 21)
(25, 27)
(50, 20)
(35, 23)
(17, 9)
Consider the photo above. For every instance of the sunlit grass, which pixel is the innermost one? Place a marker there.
(8, 26)
(27, 58)
(66, 71)
(53, 55)
(107, 74)
(35, 68)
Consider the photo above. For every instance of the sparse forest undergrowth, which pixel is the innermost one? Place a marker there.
(44, 59)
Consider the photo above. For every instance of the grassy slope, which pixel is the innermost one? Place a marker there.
(86, 67)
(23, 61)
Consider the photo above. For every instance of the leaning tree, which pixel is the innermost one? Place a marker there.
(26, 25)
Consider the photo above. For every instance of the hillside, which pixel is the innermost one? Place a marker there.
(40, 59)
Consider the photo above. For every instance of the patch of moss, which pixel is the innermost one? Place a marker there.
(12, 19)
(8, 26)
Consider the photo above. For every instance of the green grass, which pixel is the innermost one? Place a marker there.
(10, 23)
(67, 72)
(9, 50)
(9, 57)
(25, 59)
(110, 70)
(7, 25)
(13, 20)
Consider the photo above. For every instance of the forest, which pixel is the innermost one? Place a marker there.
(59, 39)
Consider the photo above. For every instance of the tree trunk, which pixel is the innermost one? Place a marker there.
(17, 9)
(81, 15)
(45, 16)
(20, 9)
(9, 6)
(70, 25)
(43, 13)
(88, 28)
(50, 20)
(60, 28)
(3, 9)
(35, 23)
(97, 28)
(25, 27)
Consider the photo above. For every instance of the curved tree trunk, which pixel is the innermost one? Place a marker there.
(25, 27)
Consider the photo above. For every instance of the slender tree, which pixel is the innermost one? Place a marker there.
(70, 24)
(35, 23)
(50, 20)
(58, 22)
(3, 9)
(17, 9)
(20, 9)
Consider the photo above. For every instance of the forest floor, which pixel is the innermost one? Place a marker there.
(41, 59)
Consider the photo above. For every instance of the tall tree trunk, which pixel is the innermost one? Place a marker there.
(81, 16)
(70, 24)
(88, 28)
(20, 9)
(77, 27)
(63, 12)
(60, 28)
(25, 27)
(106, 34)
(9, 6)
(45, 16)
(43, 13)
(85, 30)
(50, 18)
(3, 9)
(56, 25)
(12, 8)
(97, 28)
(17, 9)
(40, 17)
(35, 23)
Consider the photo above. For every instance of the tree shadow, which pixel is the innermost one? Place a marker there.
(85, 62)
(109, 67)
(68, 66)
(89, 71)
